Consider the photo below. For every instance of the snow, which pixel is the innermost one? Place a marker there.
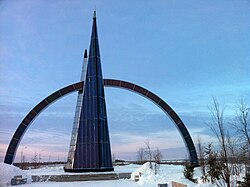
(167, 173)
(113, 183)
(58, 170)
(7, 172)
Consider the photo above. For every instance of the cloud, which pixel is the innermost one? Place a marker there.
(46, 137)
(47, 142)
(124, 142)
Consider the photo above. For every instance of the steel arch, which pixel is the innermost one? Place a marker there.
(16, 139)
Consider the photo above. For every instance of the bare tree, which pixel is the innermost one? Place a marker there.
(141, 155)
(23, 162)
(35, 159)
(235, 156)
(149, 153)
(157, 158)
(218, 127)
(242, 123)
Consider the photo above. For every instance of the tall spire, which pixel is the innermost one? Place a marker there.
(92, 152)
(74, 134)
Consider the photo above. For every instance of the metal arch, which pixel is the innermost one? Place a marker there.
(16, 139)
(166, 108)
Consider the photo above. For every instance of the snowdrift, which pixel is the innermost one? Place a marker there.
(7, 172)
(166, 174)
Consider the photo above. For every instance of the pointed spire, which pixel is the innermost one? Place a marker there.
(85, 54)
(94, 26)
(92, 150)
(94, 52)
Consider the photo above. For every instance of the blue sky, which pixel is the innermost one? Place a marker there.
(186, 52)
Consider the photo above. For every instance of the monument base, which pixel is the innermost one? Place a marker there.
(70, 177)
(81, 170)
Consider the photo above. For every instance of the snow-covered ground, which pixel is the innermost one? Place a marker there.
(167, 173)
(7, 172)
(58, 170)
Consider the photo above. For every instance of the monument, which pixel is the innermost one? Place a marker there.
(90, 145)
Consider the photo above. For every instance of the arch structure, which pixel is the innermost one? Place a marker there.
(16, 139)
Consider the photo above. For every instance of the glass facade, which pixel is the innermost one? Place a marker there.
(92, 150)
